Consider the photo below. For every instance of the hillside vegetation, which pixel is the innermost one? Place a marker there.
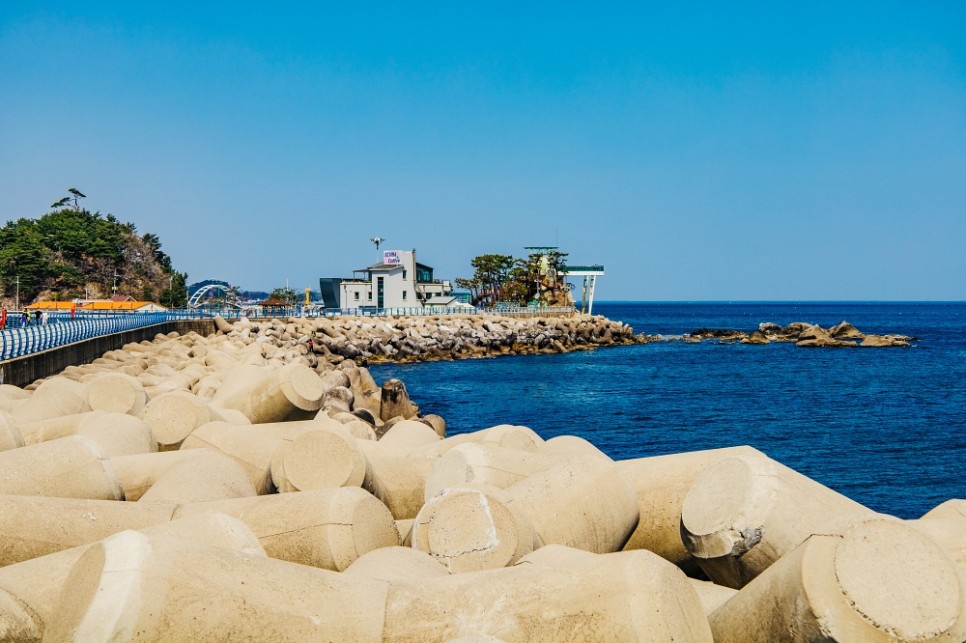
(73, 253)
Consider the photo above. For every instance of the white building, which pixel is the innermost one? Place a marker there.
(398, 282)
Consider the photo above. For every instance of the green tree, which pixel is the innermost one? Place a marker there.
(537, 278)
(64, 251)
(487, 284)
(176, 295)
(23, 258)
(285, 294)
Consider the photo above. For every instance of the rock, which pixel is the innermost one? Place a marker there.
(756, 337)
(769, 328)
(880, 341)
(845, 330)
(817, 337)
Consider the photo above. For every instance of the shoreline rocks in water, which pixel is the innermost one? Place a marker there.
(806, 335)
(282, 494)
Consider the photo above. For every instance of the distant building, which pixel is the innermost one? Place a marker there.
(399, 281)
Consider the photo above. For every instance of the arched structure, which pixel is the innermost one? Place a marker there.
(197, 296)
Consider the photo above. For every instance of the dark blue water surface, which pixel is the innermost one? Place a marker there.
(886, 427)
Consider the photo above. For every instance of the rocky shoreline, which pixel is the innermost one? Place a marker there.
(803, 334)
(258, 484)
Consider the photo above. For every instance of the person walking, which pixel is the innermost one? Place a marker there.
(3, 317)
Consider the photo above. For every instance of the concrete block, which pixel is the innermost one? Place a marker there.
(745, 512)
(879, 580)
(71, 467)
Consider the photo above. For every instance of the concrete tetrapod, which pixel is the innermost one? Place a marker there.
(252, 445)
(396, 564)
(745, 512)
(661, 484)
(71, 467)
(407, 436)
(397, 481)
(173, 416)
(10, 435)
(946, 525)
(321, 458)
(880, 580)
(473, 464)
(327, 528)
(394, 401)
(54, 397)
(161, 588)
(211, 476)
(35, 526)
(293, 392)
(571, 446)
(116, 433)
(472, 529)
(509, 436)
(138, 473)
(115, 393)
(35, 585)
(583, 503)
(628, 596)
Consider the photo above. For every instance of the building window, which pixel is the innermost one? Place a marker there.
(404, 295)
(404, 279)
(370, 295)
(356, 293)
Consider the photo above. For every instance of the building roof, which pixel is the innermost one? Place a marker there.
(116, 305)
(51, 305)
(272, 301)
(100, 304)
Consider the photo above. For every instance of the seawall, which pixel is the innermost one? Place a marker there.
(24, 370)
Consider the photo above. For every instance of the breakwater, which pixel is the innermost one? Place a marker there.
(248, 486)
(402, 339)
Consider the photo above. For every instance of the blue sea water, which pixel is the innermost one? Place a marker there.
(886, 427)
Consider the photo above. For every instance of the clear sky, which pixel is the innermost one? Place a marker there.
(717, 151)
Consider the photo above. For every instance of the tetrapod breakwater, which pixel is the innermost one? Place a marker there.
(256, 484)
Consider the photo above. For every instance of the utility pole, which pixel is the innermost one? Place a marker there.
(17, 305)
(114, 287)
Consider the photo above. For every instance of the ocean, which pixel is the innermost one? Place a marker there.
(884, 426)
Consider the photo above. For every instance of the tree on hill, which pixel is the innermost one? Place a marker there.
(488, 282)
(71, 252)
(537, 278)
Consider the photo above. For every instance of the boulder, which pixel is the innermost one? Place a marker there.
(845, 330)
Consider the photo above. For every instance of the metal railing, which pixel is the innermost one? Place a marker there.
(60, 330)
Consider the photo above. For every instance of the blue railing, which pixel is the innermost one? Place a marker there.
(61, 330)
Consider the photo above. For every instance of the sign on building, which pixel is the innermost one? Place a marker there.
(391, 257)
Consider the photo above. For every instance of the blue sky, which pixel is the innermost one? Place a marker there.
(700, 152)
